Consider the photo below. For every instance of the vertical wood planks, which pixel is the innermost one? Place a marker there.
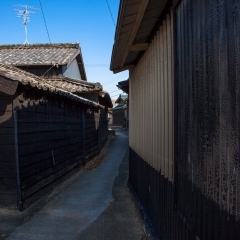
(207, 49)
(151, 102)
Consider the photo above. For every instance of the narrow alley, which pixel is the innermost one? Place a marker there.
(91, 204)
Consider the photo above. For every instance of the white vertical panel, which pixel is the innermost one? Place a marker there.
(151, 103)
(161, 92)
(171, 95)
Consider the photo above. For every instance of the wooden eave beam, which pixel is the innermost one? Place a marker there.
(138, 47)
(8, 86)
(117, 70)
(137, 23)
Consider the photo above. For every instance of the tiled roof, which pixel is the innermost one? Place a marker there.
(74, 85)
(26, 78)
(38, 54)
(42, 54)
(80, 87)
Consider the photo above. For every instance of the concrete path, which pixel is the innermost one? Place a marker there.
(93, 204)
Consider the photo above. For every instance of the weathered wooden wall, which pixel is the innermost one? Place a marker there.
(53, 135)
(8, 182)
(118, 116)
(207, 64)
(103, 128)
(49, 141)
(151, 102)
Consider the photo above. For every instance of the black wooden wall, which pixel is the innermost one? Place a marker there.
(49, 141)
(43, 70)
(8, 182)
(208, 118)
(103, 128)
(53, 134)
(118, 116)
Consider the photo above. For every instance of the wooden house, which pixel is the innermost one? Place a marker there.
(119, 112)
(183, 57)
(49, 60)
(47, 129)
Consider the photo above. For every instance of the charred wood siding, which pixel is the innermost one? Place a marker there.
(50, 143)
(54, 136)
(208, 51)
(103, 128)
(96, 132)
(118, 116)
(156, 193)
(8, 182)
(91, 136)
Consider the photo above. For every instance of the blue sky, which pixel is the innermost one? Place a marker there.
(87, 22)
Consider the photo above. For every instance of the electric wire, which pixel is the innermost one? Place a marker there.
(48, 70)
(116, 78)
(110, 13)
(115, 91)
(47, 34)
(110, 87)
(116, 95)
(45, 21)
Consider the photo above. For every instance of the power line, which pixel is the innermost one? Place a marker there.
(45, 21)
(115, 91)
(115, 95)
(110, 87)
(111, 13)
(96, 65)
(116, 78)
(48, 70)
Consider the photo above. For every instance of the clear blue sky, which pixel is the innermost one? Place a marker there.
(87, 22)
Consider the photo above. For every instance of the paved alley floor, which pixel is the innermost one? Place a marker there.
(94, 204)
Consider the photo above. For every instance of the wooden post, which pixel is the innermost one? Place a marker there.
(83, 133)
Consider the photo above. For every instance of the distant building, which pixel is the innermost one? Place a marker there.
(49, 60)
(119, 112)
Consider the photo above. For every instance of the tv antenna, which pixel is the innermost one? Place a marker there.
(24, 13)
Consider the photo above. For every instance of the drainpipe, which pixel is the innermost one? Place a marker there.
(19, 190)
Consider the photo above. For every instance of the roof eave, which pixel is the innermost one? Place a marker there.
(119, 57)
(81, 67)
(140, 14)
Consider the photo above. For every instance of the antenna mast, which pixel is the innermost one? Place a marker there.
(24, 14)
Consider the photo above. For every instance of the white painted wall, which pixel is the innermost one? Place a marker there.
(72, 71)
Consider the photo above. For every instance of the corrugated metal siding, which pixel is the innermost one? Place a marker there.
(151, 103)
(208, 57)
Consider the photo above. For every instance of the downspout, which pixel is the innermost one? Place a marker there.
(19, 190)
